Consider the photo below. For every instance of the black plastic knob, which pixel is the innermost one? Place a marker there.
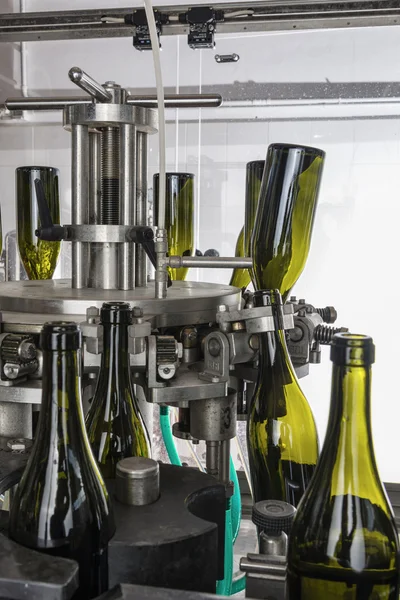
(273, 516)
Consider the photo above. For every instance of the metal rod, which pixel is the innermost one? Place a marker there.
(141, 204)
(94, 179)
(212, 458)
(274, 15)
(171, 101)
(80, 194)
(224, 461)
(89, 85)
(127, 210)
(210, 262)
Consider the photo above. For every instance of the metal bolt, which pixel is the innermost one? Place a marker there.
(222, 308)
(296, 334)
(27, 350)
(166, 370)
(302, 313)
(302, 301)
(254, 342)
(293, 299)
(309, 309)
(137, 312)
(214, 347)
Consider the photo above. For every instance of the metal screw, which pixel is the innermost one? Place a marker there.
(302, 313)
(27, 350)
(166, 370)
(137, 312)
(293, 299)
(309, 309)
(214, 347)
(302, 301)
(222, 308)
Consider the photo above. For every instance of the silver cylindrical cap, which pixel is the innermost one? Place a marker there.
(137, 481)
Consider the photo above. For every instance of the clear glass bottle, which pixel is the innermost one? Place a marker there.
(344, 542)
(281, 434)
(39, 257)
(179, 217)
(281, 237)
(61, 506)
(115, 426)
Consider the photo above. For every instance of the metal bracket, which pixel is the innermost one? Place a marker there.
(255, 320)
(216, 358)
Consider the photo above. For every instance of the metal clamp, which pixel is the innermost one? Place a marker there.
(92, 331)
(255, 320)
(216, 358)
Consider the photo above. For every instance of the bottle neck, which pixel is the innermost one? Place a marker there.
(115, 359)
(349, 430)
(61, 416)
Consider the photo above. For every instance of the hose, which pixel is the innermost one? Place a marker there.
(238, 585)
(236, 502)
(161, 111)
(168, 438)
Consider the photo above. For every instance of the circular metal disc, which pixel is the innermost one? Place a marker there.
(186, 303)
(104, 115)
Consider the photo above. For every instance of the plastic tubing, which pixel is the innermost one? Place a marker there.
(161, 110)
(168, 438)
(236, 502)
(239, 584)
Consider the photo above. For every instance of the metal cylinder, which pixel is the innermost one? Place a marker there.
(224, 461)
(137, 481)
(141, 204)
(213, 419)
(212, 458)
(103, 266)
(80, 194)
(110, 176)
(126, 258)
(94, 179)
(273, 544)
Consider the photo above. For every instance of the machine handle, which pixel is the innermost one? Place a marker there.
(85, 82)
(48, 231)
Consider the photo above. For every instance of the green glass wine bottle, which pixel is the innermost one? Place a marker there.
(344, 542)
(39, 257)
(285, 216)
(281, 436)
(61, 506)
(179, 217)
(115, 426)
(254, 175)
(240, 277)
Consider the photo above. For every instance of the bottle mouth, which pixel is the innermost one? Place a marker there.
(60, 335)
(352, 349)
(116, 313)
(287, 148)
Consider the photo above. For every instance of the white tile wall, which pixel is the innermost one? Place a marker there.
(354, 255)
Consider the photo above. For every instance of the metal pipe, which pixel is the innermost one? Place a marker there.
(224, 461)
(212, 458)
(127, 209)
(141, 204)
(148, 101)
(209, 262)
(89, 85)
(79, 193)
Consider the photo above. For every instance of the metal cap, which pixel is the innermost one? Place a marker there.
(137, 481)
(273, 516)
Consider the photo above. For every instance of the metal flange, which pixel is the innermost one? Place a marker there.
(256, 320)
(111, 115)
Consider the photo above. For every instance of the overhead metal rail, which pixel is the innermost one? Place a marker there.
(237, 17)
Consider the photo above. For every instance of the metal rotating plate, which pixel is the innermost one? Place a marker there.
(30, 303)
(111, 115)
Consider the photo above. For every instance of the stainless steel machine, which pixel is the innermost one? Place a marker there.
(193, 345)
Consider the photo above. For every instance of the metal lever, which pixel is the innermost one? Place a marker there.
(48, 231)
(85, 82)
